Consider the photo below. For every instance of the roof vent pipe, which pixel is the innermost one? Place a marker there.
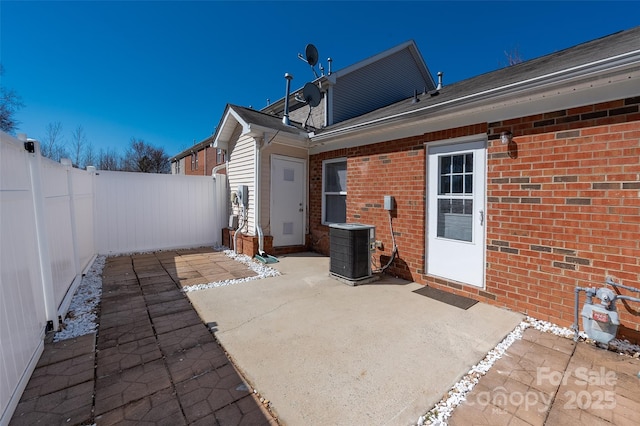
(330, 61)
(285, 118)
(439, 80)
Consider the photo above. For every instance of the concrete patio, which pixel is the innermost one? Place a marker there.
(327, 353)
(317, 351)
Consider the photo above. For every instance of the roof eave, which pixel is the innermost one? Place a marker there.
(495, 99)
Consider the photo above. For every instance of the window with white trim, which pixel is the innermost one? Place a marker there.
(334, 191)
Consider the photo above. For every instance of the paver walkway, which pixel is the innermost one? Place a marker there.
(152, 361)
(545, 379)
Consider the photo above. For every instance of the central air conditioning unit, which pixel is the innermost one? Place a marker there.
(350, 251)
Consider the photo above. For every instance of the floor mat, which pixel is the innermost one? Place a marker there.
(446, 297)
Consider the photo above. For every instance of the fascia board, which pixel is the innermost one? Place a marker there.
(618, 84)
(229, 122)
(520, 92)
(299, 139)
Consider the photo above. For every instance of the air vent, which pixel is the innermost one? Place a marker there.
(350, 250)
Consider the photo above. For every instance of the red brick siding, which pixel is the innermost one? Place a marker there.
(207, 158)
(563, 212)
(394, 168)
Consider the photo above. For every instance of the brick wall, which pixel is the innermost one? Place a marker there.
(563, 207)
(207, 160)
(394, 168)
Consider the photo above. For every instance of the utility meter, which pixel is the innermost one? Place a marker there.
(243, 195)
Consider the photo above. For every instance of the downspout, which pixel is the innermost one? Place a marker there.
(258, 211)
(204, 172)
(217, 168)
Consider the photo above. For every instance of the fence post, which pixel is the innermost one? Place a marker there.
(77, 279)
(44, 257)
(72, 209)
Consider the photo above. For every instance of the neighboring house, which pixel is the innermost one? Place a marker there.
(519, 224)
(200, 160)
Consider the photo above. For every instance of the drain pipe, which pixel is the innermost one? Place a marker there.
(217, 168)
(256, 197)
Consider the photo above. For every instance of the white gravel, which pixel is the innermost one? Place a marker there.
(81, 317)
(439, 414)
(261, 269)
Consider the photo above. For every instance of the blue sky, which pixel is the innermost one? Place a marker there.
(164, 71)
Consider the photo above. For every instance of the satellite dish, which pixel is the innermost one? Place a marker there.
(312, 54)
(311, 94)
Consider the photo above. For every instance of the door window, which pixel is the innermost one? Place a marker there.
(455, 197)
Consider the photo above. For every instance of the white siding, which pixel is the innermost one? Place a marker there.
(377, 85)
(241, 170)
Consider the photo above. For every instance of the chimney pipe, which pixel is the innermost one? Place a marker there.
(285, 118)
(415, 97)
(439, 80)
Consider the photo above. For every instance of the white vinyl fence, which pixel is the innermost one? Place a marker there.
(142, 212)
(55, 219)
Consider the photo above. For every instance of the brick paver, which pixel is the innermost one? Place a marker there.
(70, 405)
(60, 375)
(544, 379)
(153, 361)
(127, 355)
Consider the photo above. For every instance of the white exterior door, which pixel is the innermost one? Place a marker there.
(456, 212)
(288, 182)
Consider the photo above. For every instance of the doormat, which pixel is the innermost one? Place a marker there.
(446, 297)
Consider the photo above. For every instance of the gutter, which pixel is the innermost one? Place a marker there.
(583, 70)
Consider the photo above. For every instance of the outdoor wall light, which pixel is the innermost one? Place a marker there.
(506, 137)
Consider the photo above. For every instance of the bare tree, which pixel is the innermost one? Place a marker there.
(89, 158)
(78, 145)
(108, 160)
(10, 103)
(52, 145)
(145, 158)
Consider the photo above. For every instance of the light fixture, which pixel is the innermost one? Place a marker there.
(505, 137)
